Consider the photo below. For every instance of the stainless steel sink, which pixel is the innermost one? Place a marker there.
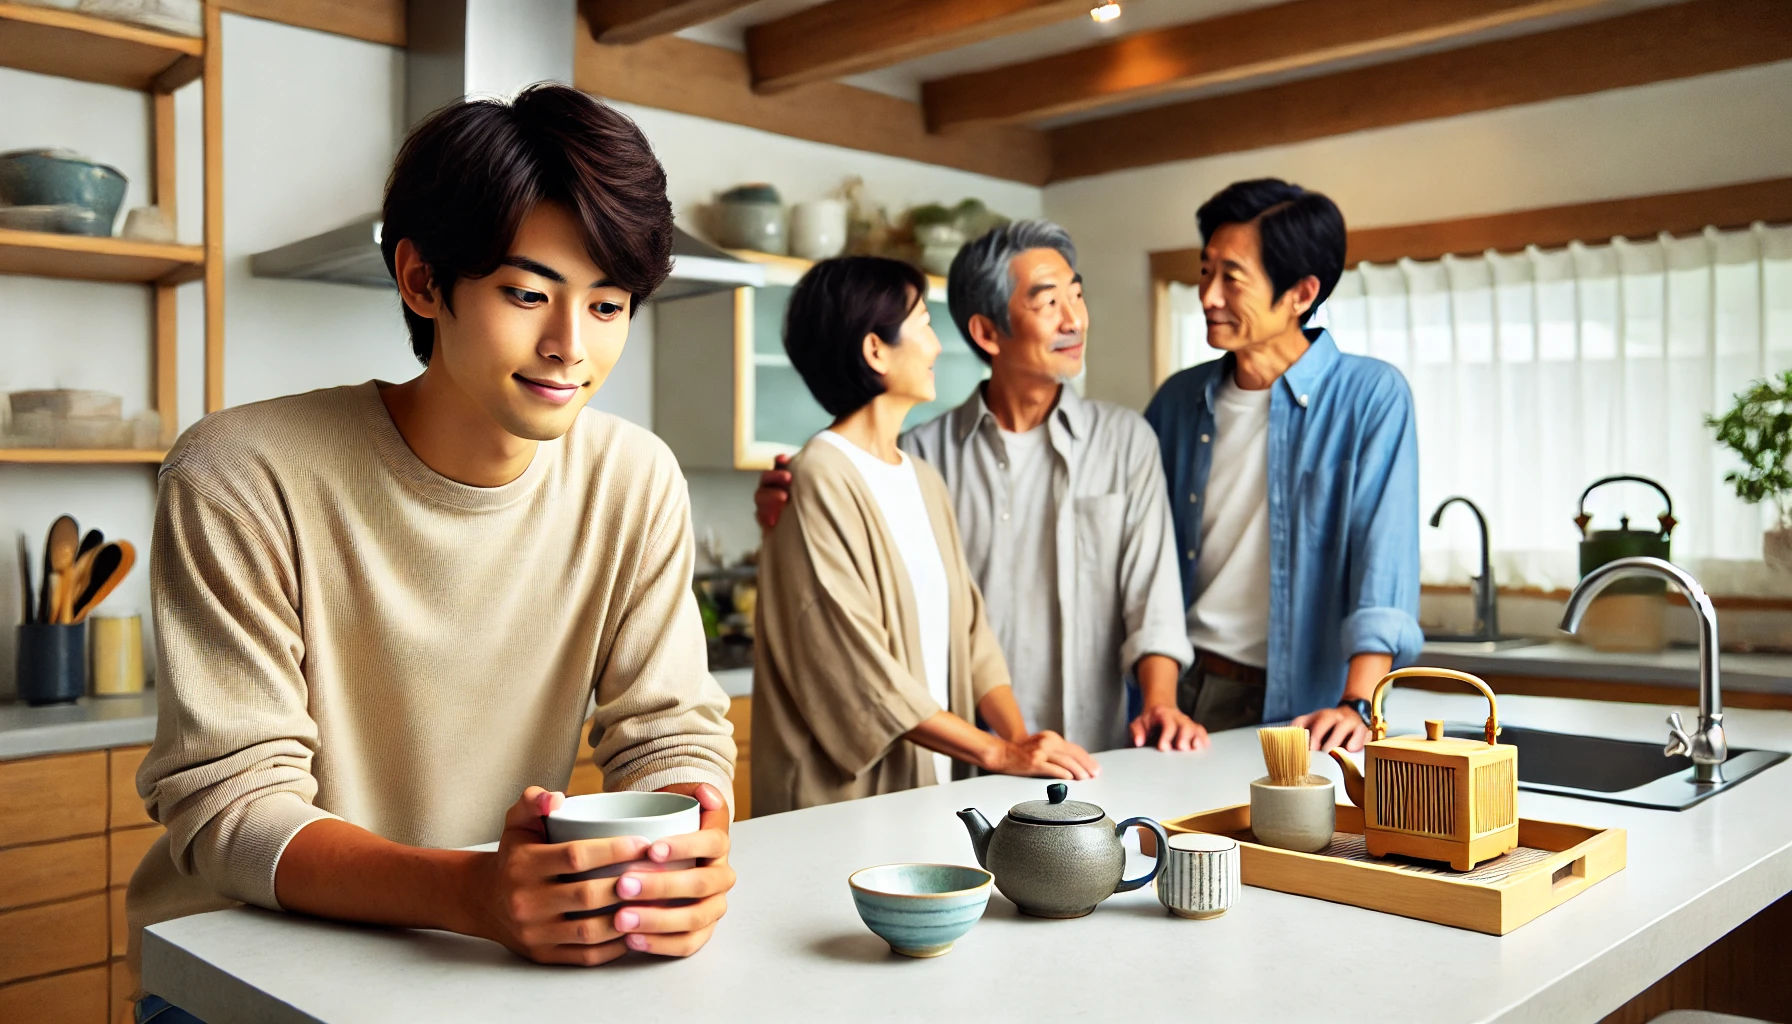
(1616, 771)
(1480, 645)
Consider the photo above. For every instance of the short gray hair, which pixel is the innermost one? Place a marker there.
(981, 280)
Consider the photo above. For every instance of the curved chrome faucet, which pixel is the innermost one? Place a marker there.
(1487, 597)
(1706, 746)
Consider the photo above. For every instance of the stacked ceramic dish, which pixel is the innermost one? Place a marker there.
(58, 191)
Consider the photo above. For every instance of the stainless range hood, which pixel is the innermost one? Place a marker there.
(483, 47)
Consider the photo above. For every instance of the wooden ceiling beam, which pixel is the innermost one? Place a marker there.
(1679, 41)
(633, 21)
(1283, 37)
(689, 77)
(847, 37)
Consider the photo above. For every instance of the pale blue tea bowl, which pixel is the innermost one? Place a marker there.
(920, 909)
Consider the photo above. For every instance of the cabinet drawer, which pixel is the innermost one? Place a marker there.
(55, 937)
(57, 797)
(75, 998)
(52, 871)
(128, 847)
(127, 806)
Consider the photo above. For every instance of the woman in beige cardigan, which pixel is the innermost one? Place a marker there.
(872, 655)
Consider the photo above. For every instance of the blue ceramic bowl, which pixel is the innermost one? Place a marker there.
(920, 909)
(43, 178)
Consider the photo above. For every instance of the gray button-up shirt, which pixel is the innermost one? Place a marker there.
(1119, 597)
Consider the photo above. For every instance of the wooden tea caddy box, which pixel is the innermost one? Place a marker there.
(1435, 797)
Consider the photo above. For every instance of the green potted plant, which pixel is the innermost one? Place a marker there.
(1758, 428)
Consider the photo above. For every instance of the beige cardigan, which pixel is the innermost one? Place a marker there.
(837, 653)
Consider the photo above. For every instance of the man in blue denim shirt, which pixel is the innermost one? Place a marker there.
(1293, 476)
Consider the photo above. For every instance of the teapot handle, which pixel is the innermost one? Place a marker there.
(1163, 849)
(1378, 725)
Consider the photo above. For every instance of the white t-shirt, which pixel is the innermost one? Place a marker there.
(897, 491)
(1231, 617)
(1033, 667)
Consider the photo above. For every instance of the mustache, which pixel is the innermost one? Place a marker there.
(1067, 341)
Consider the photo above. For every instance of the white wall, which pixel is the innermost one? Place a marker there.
(1687, 134)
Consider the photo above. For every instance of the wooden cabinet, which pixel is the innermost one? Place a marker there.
(586, 778)
(72, 830)
(725, 394)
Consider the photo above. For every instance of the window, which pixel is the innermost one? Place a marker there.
(1536, 373)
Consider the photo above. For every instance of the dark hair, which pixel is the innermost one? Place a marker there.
(981, 279)
(1302, 232)
(832, 308)
(470, 172)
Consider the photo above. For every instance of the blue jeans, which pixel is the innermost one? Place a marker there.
(155, 1008)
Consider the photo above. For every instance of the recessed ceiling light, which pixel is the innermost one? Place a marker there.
(1104, 12)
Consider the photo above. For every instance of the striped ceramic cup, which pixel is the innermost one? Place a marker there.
(1200, 875)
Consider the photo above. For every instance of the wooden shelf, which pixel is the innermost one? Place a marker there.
(82, 456)
(797, 266)
(70, 45)
(86, 258)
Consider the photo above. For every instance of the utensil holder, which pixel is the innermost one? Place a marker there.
(52, 662)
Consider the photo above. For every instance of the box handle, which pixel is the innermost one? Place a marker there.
(1378, 725)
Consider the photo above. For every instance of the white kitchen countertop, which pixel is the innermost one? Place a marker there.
(792, 948)
(1676, 666)
(92, 723)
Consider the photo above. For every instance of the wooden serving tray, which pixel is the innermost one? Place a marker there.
(1554, 863)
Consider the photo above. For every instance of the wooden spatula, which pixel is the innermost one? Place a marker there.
(59, 556)
(110, 566)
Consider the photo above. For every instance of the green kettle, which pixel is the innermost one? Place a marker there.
(1598, 547)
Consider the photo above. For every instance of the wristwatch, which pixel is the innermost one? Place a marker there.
(1359, 705)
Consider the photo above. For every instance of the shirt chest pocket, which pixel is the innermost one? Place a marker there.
(1100, 523)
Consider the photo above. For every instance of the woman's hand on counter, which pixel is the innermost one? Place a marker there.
(1046, 755)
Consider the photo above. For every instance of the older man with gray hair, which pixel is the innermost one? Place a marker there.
(1061, 503)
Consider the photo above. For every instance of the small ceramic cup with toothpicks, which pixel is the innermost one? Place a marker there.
(1291, 808)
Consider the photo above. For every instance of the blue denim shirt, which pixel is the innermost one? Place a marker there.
(1343, 513)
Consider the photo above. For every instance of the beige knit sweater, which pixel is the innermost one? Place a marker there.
(345, 633)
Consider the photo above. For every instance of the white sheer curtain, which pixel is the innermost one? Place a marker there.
(1536, 373)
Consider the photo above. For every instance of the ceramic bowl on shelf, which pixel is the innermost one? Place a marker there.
(751, 217)
(49, 177)
(920, 909)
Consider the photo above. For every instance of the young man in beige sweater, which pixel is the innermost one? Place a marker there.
(383, 609)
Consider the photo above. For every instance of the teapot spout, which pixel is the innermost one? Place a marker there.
(1353, 779)
(979, 828)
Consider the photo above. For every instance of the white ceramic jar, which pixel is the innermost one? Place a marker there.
(818, 229)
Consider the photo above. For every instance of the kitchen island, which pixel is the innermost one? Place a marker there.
(792, 947)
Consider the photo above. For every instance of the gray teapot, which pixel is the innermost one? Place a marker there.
(1058, 857)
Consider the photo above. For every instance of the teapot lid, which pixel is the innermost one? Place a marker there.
(1055, 809)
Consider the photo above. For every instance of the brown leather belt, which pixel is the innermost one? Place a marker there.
(1217, 665)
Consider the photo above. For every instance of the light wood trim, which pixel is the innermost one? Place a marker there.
(126, 806)
(672, 73)
(80, 46)
(740, 715)
(744, 378)
(846, 37)
(797, 267)
(1622, 693)
(82, 456)
(44, 872)
(1718, 601)
(127, 847)
(213, 101)
(165, 150)
(86, 258)
(118, 927)
(74, 996)
(633, 21)
(166, 362)
(56, 797)
(1280, 38)
(1677, 213)
(53, 937)
(376, 21)
(1657, 44)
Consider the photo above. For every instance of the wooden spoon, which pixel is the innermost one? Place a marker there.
(110, 566)
(59, 557)
(75, 582)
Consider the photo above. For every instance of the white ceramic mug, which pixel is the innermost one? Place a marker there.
(818, 228)
(1200, 875)
(609, 815)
